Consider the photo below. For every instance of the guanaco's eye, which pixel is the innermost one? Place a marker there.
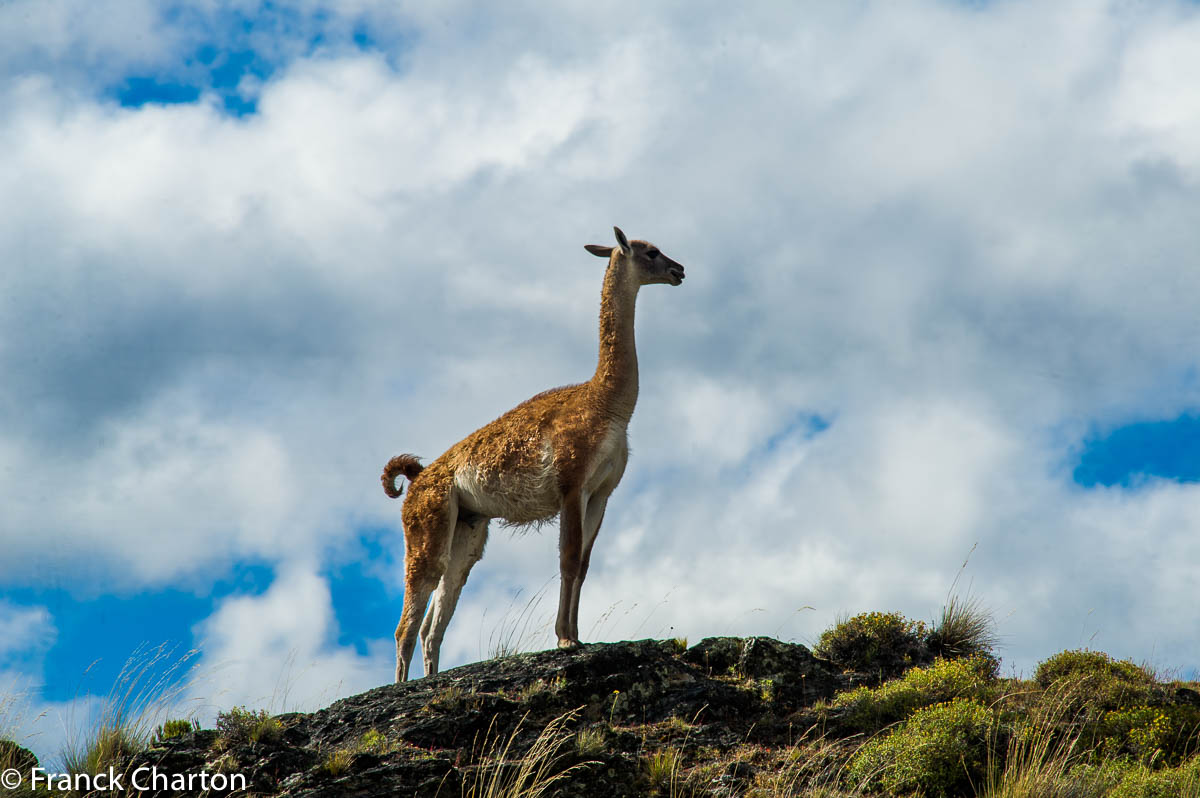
(652, 254)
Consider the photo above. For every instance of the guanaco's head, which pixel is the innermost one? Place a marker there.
(645, 260)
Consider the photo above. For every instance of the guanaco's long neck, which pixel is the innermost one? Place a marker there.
(616, 380)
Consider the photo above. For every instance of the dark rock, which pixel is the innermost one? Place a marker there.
(443, 734)
(794, 677)
(1185, 695)
(739, 771)
(716, 655)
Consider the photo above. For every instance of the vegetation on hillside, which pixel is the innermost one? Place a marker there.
(887, 707)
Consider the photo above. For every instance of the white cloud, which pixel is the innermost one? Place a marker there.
(278, 650)
(26, 635)
(104, 36)
(1152, 105)
(24, 630)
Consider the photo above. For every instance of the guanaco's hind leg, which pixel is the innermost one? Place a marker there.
(465, 551)
(428, 525)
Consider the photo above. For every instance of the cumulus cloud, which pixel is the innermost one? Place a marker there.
(24, 631)
(961, 236)
(26, 634)
(76, 38)
(278, 650)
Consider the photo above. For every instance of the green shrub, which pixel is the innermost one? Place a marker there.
(266, 731)
(175, 728)
(239, 726)
(1151, 735)
(1101, 682)
(1101, 776)
(939, 751)
(868, 709)
(880, 643)
(1142, 782)
(1090, 664)
(375, 742)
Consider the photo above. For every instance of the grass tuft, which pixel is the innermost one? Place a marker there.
(518, 628)
(1042, 751)
(591, 742)
(662, 770)
(338, 762)
(148, 687)
(530, 776)
(966, 629)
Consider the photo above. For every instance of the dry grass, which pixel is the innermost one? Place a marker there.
(591, 742)
(815, 766)
(532, 775)
(1041, 750)
(13, 755)
(519, 628)
(662, 770)
(147, 691)
(338, 762)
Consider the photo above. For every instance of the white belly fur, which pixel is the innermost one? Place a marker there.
(519, 498)
(532, 497)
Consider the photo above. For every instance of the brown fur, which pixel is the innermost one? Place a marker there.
(530, 464)
(405, 464)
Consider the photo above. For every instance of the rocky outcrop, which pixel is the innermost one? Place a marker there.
(610, 709)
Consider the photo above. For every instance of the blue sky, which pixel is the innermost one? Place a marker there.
(940, 300)
(1142, 450)
(222, 54)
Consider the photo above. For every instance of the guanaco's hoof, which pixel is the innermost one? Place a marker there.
(568, 645)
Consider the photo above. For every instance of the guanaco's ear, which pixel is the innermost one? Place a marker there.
(624, 242)
(598, 251)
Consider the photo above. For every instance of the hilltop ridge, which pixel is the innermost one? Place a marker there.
(440, 735)
(891, 707)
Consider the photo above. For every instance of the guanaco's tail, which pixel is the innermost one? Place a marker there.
(405, 464)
